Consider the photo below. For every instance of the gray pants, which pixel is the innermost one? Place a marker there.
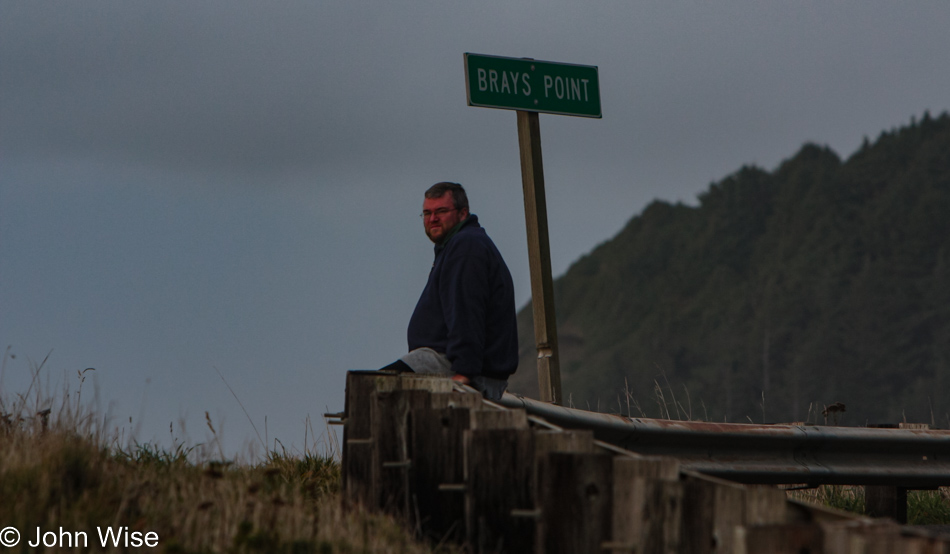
(427, 360)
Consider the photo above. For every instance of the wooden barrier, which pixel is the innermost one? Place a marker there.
(456, 468)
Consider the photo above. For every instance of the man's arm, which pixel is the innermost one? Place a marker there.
(464, 295)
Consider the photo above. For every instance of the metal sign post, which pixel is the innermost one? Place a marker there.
(539, 257)
(530, 87)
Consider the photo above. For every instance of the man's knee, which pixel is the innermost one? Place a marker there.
(427, 360)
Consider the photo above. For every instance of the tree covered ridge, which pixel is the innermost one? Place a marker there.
(822, 281)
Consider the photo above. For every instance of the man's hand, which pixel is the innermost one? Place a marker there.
(460, 378)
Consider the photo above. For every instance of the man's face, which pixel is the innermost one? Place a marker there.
(439, 216)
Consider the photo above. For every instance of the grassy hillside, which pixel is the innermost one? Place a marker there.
(783, 291)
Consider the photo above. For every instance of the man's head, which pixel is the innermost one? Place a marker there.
(445, 205)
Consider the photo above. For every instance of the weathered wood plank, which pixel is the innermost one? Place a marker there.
(648, 467)
(499, 419)
(712, 509)
(765, 504)
(421, 381)
(886, 501)
(575, 500)
(499, 469)
(437, 477)
(715, 508)
(887, 539)
(470, 400)
(841, 536)
(631, 474)
(546, 442)
(787, 538)
(359, 464)
(662, 517)
(390, 424)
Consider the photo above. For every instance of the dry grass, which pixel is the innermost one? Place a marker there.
(59, 469)
(842, 497)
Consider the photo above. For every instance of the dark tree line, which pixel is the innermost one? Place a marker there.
(782, 292)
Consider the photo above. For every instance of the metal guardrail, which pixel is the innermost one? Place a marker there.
(463, 469)
(770, 454)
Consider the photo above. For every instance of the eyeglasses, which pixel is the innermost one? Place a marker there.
(440, 212)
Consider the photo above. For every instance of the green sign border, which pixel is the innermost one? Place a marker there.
(526, 92)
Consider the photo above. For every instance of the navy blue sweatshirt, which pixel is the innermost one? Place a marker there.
(467, 310)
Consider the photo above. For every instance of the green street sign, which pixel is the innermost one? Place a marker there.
(531, 85)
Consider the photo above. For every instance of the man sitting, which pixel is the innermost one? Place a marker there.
(464, 323)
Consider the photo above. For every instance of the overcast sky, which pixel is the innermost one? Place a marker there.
(232, 185)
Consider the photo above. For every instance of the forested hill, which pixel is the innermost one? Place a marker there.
(782, 292)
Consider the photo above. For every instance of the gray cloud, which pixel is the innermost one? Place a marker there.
(236, 183)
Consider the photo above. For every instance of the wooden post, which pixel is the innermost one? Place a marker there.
(539, 257)
(765, 504)
(886, 501)
(391, 434)
(499, 472)
(575, 500)
(714, 508)
(545, 443)
(838, 536)
(711, 511)
(634, 525)
(437, 477)
(359, 446)
(663, 516)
